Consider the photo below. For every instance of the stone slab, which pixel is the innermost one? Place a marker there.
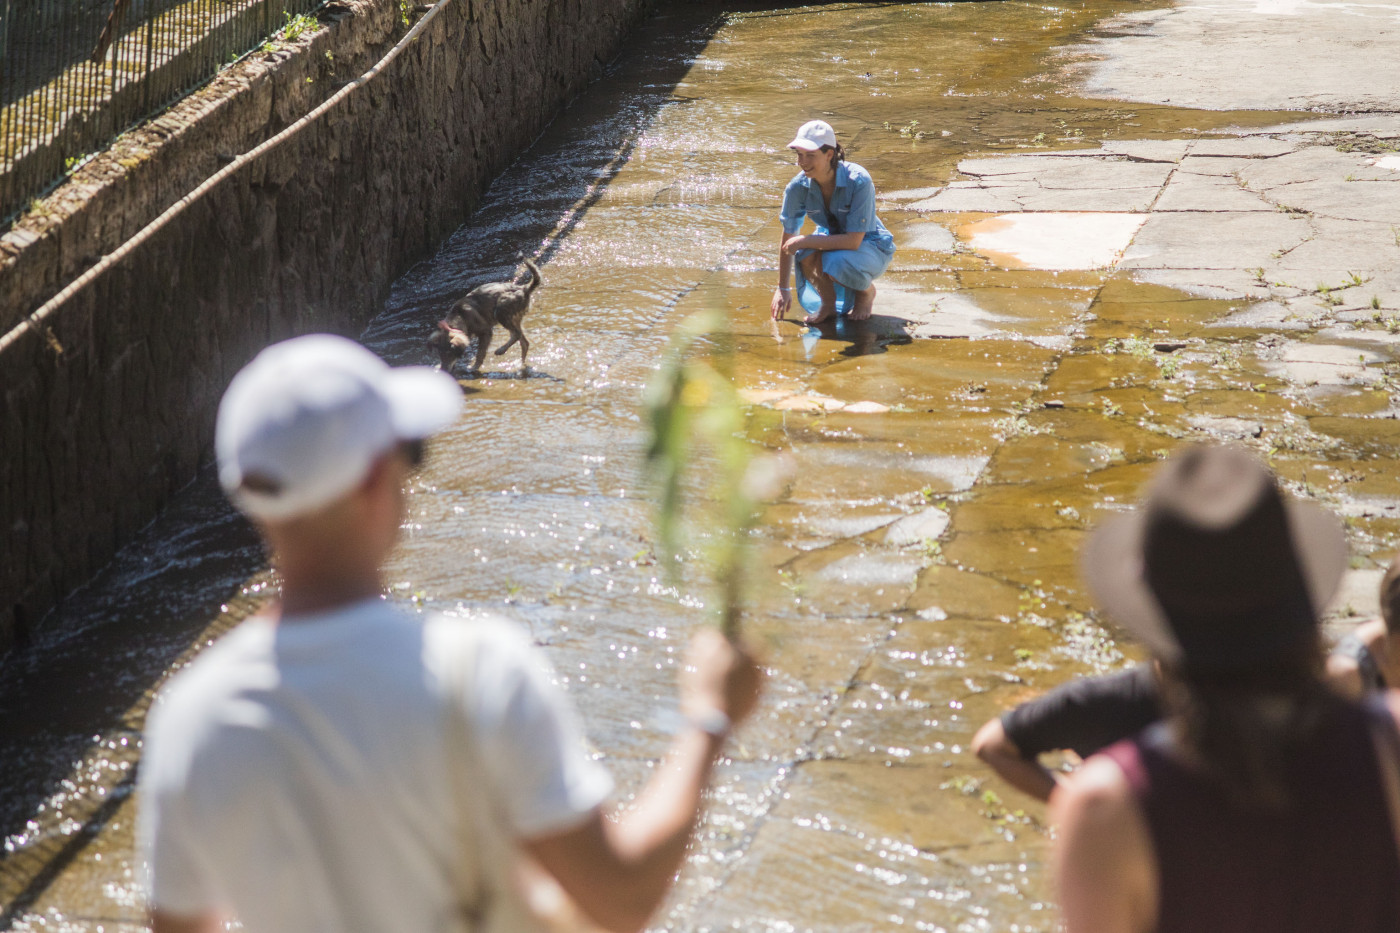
(1012, 165)
(1225, 166)
(1113, 200)
(1191, 192)
(908, 194)
(1226, 240)
(922, 526)
(1308, 163)
(1340, 199)
(1149, 150)
(1229, 56)
(932, 237)
(1266, 315)
(1252, 147)
(957, 315)
(1340, 246)
(1327, 365)
(981, 200)
(1055, 240)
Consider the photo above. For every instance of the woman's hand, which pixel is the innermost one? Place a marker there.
(782, 300)
(793, 243)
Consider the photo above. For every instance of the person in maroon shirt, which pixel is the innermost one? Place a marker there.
(1262, 803)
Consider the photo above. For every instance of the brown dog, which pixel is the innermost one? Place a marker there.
(475, 316)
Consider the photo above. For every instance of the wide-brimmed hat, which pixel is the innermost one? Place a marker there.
(1216, 570)
(301, 425)
(813, 135)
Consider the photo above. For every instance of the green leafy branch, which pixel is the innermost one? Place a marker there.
(693, 411)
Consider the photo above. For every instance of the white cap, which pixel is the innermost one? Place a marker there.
(301, 425)
(813, 135)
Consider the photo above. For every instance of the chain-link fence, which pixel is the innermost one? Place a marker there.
(75, 73)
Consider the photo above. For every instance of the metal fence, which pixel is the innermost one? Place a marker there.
(75, 73)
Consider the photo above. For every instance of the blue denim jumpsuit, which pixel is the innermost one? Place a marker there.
(852, 209)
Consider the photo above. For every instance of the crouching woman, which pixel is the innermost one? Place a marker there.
(837, 265)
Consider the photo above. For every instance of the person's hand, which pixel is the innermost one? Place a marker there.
(793, 243)
(782, 300)
(721, 675)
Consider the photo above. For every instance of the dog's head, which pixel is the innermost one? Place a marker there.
(449, 343)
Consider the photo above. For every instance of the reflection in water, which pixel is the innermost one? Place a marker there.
(920, 569)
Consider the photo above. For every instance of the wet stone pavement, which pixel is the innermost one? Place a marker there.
(1084, 282)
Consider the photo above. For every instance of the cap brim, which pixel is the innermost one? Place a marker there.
(423, 400)
(806, 144)
(1112, 566)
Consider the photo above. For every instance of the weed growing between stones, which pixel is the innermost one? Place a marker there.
(908, 130)
(992, 806)
(298, 26)
(1362, 142)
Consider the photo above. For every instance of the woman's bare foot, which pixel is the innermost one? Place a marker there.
(863, 305)
(822, 316)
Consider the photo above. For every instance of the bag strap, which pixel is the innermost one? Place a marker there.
(1386, 740)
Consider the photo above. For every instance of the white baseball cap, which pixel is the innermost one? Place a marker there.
(301, 425)
(813, 135)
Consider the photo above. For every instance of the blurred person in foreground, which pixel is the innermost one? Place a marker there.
(303, 773)
(1262, 802)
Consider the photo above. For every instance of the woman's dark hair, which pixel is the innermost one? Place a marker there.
(1247, 724)
(840, 153)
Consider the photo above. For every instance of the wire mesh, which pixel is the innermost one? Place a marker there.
(76, 73)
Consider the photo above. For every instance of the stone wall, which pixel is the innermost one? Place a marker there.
(108, 409)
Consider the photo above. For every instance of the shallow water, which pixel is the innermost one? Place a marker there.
(915, 579)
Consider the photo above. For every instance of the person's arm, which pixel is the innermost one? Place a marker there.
(1105, 867)
(163, 922)
(823, 241)
(782, 294)
(619, 871)
(1343, 675)
(997, 750)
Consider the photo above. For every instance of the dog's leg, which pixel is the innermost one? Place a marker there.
(483, 341)
(514, 336)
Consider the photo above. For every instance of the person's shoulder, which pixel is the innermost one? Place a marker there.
(1390, 699)
(215, 676)
(1098, 790)
(800, 180)
(497, 644)
(1372, 633)
(480, 629)
(857, 172)
(245, 644)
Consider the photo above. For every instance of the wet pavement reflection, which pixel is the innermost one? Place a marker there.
(918, 575)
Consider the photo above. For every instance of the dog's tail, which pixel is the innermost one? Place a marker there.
(535, 278)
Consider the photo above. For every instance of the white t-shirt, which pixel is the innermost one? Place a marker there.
(296, 776)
